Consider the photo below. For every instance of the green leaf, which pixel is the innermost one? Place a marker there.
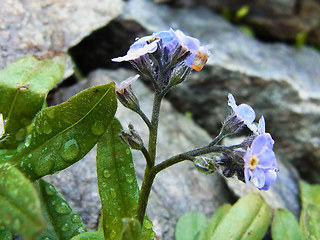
(20, 207)
(63, 134)
(310, 193)
(310, 212)
(242, 12)
(215, 220)
(311, 222)
(249, 218)
(285, 226)
(131, 229)
(189, 225)
(5, 233)
(117, 183)
(62, 222)
(24, 86)
(97, 235)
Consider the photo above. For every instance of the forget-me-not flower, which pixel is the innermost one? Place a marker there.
(171, 41)
(242, 115)
(260, 165)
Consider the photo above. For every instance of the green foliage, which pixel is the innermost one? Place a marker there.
(131, 229)
(301, 39)
(20, 207)
(5, 233)
(285, 226)
(242, 12)
(63, 134)
(310, 212)
(117, 183)
(189, 225)
(97, 235)
(249, 218)
(215, 220)
(24, 86)
(62, 222)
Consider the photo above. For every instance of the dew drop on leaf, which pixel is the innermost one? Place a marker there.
(113, 234)
(44, 165)
(20, 135)
(129, 178)
(46, 128)
(112, 193)
(98, 128)
(16, 225)
(70, 150)
(50, 114)
(63, 208)
(27, 141)
(65, 227)
(106, 174)
(81, 230)
(147, 224)
(75, 218)
(50, 190)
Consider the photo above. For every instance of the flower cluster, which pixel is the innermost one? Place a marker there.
(259, 163)
(166, 57)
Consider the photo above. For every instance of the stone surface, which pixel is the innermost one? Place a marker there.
(36, 27)
(271, 20)
(180, 188)
(279, 82)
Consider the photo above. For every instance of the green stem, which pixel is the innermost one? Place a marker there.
(150, 174)
(153, 134)
(146, 186)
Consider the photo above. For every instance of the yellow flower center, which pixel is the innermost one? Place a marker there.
(253, 161)
(152, 40)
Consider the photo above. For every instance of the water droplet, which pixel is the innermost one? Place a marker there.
(75, 218)
(81, 230)
(114, 220)
(46, 238)
(20, 135)
(45, 164)
(46, 128)
(28, 140)
(106, 174)
(129, 178)
(63, 208)
(104, 185)
(50, 190)
(30, 155)
(112, 193)
(15, 225)
(50, 113)
(128, 152)
(98, 128)
(65, 227)
(20, 147)
(147, 224)
(70, 150)
(113, 234)
(22, 164)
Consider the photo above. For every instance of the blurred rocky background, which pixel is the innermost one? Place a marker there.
(254, 56)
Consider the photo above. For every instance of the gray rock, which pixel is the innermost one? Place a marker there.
(279, 82)
(36, 27)
(272, 20)
(178, 189)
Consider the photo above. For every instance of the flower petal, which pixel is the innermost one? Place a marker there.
(246, 113)
(127, 82)
(262, 126)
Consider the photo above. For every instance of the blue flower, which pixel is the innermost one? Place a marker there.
(171, 41)
(242, 115)
(260, 162)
